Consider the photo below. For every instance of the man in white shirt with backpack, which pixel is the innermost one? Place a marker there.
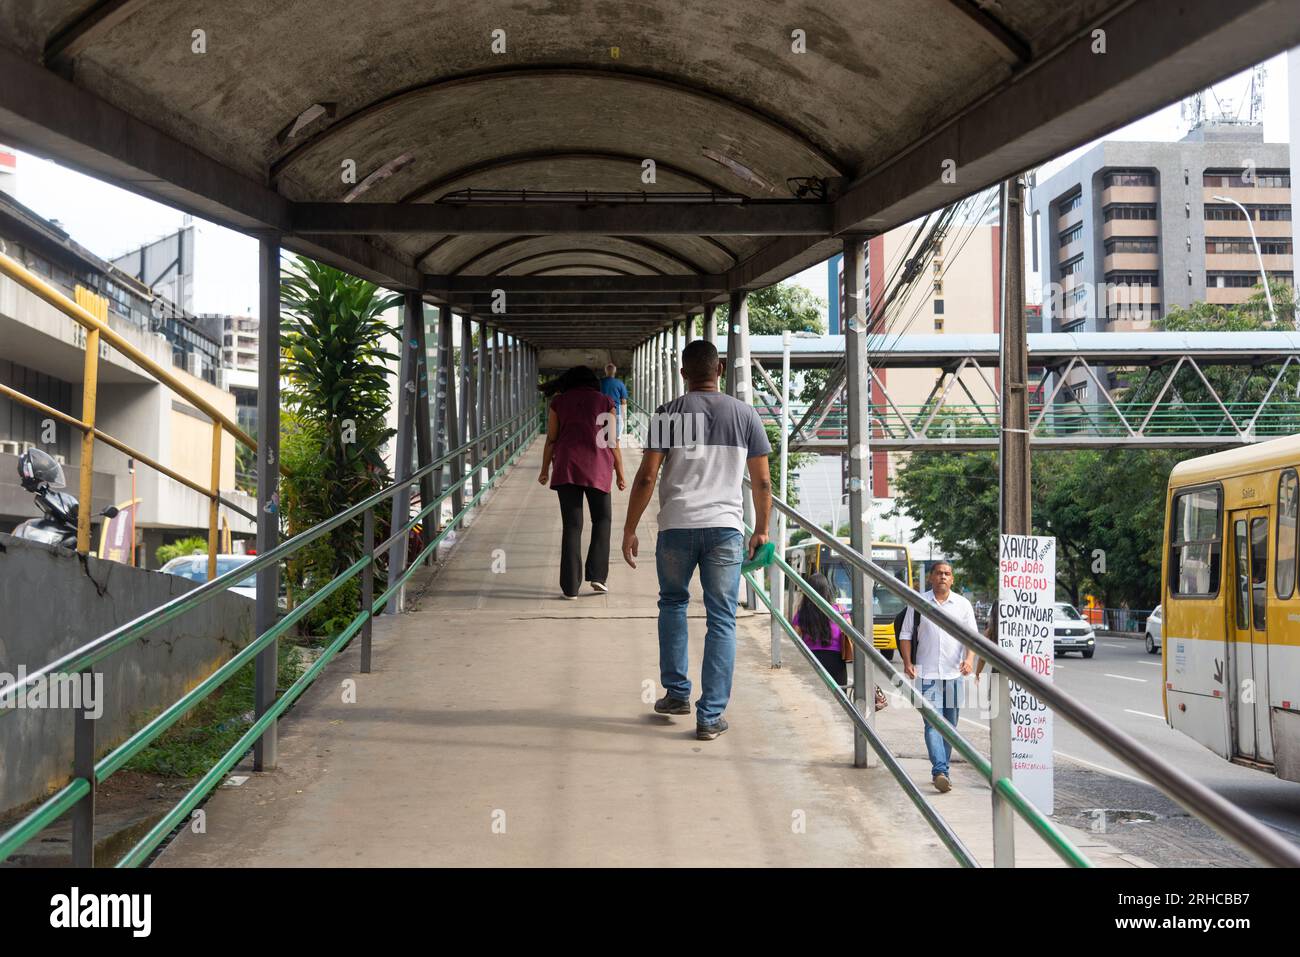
(941, 661)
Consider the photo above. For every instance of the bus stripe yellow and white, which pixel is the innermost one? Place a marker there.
(1231, 645)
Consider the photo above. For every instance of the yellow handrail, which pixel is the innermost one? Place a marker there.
(97, 328)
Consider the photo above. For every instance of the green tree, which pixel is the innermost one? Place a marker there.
(335, 359)
(1105, 509)
(776, 309)
(194, 545)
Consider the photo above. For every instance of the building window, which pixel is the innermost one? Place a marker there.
(1135, 244)
(1133, 278)
(1129, 177)
(1074, 266)
(1071, 234)
(938, 307)
(1224, 211)
(1239, 246)
(1242, 280)
(1129, 211)
(1242, 179)
(1071, 204)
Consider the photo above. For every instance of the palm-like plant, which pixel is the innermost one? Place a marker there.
(335, 359)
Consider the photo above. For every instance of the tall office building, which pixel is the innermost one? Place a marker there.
(1129, 231)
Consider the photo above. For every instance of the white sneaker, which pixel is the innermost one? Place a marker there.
(568, 597)
(600, 587)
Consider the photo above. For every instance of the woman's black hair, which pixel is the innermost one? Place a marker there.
(814, 624)
(577, 377)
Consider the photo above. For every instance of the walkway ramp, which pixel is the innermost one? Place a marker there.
(503, 725)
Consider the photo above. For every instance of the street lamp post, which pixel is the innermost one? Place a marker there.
(1268, 294)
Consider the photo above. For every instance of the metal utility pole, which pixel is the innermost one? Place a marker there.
(776, 581)
(1013, 481)
(853, 308)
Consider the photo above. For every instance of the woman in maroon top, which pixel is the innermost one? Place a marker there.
(580, 454)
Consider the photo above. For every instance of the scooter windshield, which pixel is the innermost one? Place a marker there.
(41, 468)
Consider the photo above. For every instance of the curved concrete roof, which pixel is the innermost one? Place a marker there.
(583, 92)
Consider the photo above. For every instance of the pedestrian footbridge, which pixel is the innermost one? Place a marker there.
(493, 723)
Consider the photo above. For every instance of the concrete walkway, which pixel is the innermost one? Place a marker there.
(503, 725)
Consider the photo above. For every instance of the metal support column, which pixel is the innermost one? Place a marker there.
(265, 671)
(408, 372)
(666, 389)
(451, 420)
(499, 372)
(1013, 482)
(678, 385)
(854, 324)
(776, 579)
(83, 766)
(478, 371)
(738, 386)
(437, 418)
(414, 304)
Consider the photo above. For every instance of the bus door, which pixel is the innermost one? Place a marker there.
(1247, 651)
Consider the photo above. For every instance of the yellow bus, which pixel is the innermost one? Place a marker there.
(809, 557)
(1231, 630)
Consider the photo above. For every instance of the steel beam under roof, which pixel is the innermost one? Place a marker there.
(754, 218)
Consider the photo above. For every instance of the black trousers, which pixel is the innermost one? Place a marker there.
(571, 567)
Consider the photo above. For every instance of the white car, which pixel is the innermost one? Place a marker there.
(1071, 631)
(195, 568)
(1154, 625)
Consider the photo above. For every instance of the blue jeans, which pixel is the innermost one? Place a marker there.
(718, 553)
(943, 694)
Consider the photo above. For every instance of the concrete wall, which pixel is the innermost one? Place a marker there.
(50, 606)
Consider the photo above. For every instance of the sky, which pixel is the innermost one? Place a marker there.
(109, 221)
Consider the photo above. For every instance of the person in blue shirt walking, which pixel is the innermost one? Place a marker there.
(617, 391)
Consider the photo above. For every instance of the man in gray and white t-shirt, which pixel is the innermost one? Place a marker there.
(704, 441)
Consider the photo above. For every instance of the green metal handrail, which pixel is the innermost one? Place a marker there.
(1180, 787)
(1055, 839)
(68, 796)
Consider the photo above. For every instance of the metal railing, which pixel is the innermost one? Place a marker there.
(77, 795)
(1277, 417)
(1203, 803)
(1211, 808)
(97, 329)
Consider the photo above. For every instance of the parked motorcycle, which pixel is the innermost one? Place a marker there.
(41, 473)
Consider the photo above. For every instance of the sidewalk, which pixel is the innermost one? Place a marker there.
(503, 726)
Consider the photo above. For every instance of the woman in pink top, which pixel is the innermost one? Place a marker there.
(580, 458)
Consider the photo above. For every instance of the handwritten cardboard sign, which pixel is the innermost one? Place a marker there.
(1026, 603)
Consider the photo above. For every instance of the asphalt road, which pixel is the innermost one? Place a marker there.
(1097, 790)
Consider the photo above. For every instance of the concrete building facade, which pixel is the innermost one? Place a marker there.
(42, 357)
(1129, 231)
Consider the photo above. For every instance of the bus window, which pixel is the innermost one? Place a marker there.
(1195, 543)
(1259, 570)
(1243, 573)
(1287, 499)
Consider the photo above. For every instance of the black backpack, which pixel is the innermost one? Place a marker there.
(916, 635)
